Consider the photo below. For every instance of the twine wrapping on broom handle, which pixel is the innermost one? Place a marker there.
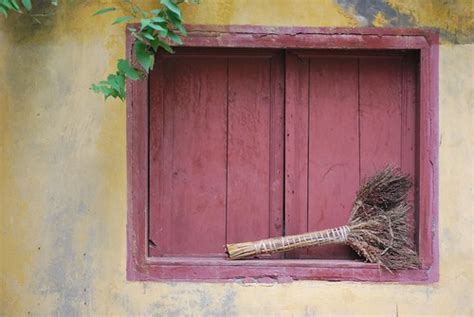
(287, 243)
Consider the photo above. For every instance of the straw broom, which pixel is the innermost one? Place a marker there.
(377, 229)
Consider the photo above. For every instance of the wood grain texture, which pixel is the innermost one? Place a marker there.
(254, 189)
(296, 147)
(274, 271)
(137, 172)
(428, 158)
(333, 147)
(409, 133)
(354, 115)
(216, 150)
(308, 37)
(190, 156)
(277, 145)
(248, 149)
(380, 113)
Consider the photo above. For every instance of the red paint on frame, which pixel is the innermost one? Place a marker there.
(140, 266)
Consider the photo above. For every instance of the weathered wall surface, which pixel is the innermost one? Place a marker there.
(63, 171)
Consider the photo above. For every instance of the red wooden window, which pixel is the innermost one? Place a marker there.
(237, 143)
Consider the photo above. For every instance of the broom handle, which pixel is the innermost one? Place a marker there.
(287, 243)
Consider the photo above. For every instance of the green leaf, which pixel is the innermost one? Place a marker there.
(144, 23)
(174, 19)
(158, 43)
(105, 10)
(174, 37)
(95, 88)
(158, 19)
(112, 82)
(155, 26)
(138, 37)
(103, 89)
(166, 47)
(148, 36)
(54, 2)
(155, 44)
(117, 82)
(144, 56)
(171, 6)
(126, 68)
(123, 19)
(15, 5)
(114, 86)
(3, 11)
(27, 4)
(9, 5)
(181, 29)
(158, 28)
(120, 80)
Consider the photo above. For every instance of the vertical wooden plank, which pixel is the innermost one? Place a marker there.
(428, 157)
(251, 143)
(333, 147)
(380, 113)
(296, 147)
(277, 146)
(156, 157)
(137, 169)
(409, 135)
(191, 176)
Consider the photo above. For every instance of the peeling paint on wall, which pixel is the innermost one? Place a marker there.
(454, 19)
(63, 171)
(370, 12)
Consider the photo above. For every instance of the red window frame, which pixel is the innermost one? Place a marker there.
(141, 267)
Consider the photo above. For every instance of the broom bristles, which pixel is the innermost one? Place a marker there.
(377, 228)
(385, 190)
(378, 222)
(240, 250)
(383, 239)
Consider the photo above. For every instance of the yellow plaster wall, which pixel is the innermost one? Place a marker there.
(63, 173)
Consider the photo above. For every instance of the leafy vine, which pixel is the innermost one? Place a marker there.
(157, 29)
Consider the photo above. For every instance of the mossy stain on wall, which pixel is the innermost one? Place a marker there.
(454, 19)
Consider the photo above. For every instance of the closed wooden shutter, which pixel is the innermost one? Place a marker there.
(347, 115)
(216, 155)
(230, 128)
